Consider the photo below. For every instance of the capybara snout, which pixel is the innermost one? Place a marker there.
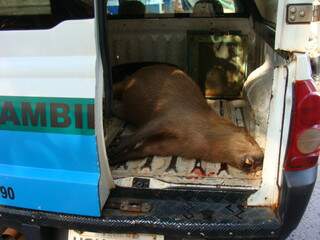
(245, 152)
(250, 163)
(253, 156)
(174, 119)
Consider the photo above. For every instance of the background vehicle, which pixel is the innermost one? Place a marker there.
(58, 62)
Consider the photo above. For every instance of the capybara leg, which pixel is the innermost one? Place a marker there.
(125, 143)
(125, 150)
(134, 154)
(153, 128)
(162, 147)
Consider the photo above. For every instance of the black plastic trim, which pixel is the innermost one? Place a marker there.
(60, 12)
(173, 213)
(105, 55)
(261, 26)
(267, 32)
(295, 195)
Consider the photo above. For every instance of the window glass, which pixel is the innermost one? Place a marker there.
(159, 8)
(268, 9)
(39, 14)
(24, 7)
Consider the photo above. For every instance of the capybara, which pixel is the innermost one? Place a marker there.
(174, 119)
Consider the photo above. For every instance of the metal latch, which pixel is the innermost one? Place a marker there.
(300, 13)
(135, 206)
(129, 205)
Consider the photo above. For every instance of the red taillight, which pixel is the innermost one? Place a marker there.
(304, 137)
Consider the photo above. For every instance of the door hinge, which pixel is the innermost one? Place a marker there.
(300, 13)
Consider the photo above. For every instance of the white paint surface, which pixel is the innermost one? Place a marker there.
(268, 193)
(291, 37)
(303, 69)
(106, 180)
(58, 62)
(48, 76)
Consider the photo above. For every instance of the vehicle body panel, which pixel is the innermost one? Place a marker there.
(49, 146)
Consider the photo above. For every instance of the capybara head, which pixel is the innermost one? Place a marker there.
(246, 154)
(234, 146)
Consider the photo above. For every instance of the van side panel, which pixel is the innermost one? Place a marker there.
(48, 153)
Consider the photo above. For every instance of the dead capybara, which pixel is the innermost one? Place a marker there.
(174, 119)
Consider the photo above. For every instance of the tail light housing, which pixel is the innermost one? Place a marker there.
(304, 136)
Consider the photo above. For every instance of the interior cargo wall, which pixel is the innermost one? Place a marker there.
(165, 40)
(257, 92)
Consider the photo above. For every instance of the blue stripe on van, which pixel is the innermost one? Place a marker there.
(49, 150)
(50, 172)
(51, 190)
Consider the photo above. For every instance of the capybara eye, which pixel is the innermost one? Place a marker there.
(248, 163)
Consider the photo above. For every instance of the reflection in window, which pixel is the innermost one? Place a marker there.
(135, 7)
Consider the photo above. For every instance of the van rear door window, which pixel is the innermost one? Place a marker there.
(41, 14)
(172, 8)
(268, 10)
(26, 7)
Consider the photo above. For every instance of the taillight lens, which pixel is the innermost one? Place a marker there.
(304, 137)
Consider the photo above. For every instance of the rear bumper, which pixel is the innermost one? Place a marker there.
(176, 214)
(183, 214)
(297, 188)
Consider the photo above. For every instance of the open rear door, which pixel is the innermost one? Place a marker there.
(297, 28)
(50, 159)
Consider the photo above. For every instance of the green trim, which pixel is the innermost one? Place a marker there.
(42, 114)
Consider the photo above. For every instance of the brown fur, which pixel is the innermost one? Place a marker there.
(174, 119)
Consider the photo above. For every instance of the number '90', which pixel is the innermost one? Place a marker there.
(7, 192)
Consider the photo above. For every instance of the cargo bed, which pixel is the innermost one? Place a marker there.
(167, 172)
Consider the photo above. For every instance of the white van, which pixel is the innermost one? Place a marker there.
(58, 63)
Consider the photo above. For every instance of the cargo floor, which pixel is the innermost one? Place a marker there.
(166, 172)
